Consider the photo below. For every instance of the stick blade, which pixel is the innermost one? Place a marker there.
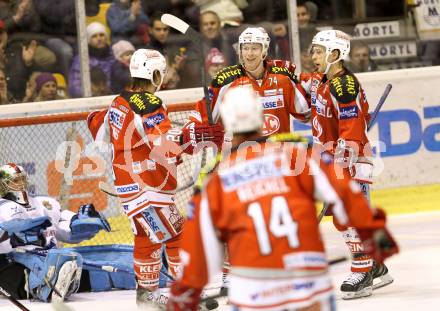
(174, 22)
(107, 189)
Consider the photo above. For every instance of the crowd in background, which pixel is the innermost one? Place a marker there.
(39, 55)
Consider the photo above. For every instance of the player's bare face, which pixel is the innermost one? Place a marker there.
(319, 58)
(252, 55)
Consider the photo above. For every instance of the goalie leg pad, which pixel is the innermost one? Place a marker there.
(118, 256)
(361, 262)
(45, 272)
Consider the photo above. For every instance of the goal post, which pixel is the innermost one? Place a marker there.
(52, 142)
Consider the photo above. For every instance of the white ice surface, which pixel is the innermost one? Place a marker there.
(416, 272)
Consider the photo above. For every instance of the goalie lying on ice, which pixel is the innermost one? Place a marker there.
(30, 227)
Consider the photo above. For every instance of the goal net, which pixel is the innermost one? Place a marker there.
(52, 142)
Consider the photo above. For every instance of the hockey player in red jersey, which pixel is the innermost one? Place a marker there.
(281, 95)
(339, 125)
(266, 216)
(145, 154)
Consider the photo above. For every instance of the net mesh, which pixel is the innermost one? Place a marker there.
(62, 162)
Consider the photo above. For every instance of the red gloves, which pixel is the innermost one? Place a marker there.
(378, 242)
(193, 134)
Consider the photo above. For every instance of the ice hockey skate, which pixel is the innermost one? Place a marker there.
(357, 285)
(381, 277)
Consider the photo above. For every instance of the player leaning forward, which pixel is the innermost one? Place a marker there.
(145, 154)
(275, 249)
(339, 124)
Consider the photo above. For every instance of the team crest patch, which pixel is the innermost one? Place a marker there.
(47, 205)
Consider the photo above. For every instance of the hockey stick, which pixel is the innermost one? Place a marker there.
(19, 305)
(374, 114)
(184, 28)
(373, 118)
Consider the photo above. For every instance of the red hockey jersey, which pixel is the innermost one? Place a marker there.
(143, 160)
(339, 110)
(281, 96)
(265, 213)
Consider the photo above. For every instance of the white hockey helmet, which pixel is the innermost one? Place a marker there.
(145, 62)
(14, 183)
(333, 40)
(241, 110)
(254, 35)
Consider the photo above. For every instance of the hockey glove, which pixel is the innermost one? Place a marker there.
(87, 223)
(199, 133)
(26, 231)
(378, 242)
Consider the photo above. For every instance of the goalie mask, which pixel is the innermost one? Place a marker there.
(145, 63)
(14, 183)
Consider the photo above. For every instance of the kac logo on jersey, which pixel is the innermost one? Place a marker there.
(271, 124)
(154, 120)
(126, 189)
(348, 112)
(116, 118)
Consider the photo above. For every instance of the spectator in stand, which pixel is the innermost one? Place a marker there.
(19, 17)
(99, 82)
(213, 37)
(214, 62)
(228, 11)
(174, 54)
(307, 29)
(58, 21)
(125, 18)
(100, 55)
(122, 50)
(360, 60)
(159, 33)
(22, 61)
(46, 87)
(61, 85)
(5, 96)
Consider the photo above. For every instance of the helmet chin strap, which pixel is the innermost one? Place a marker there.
(327, 68)
(157, 86)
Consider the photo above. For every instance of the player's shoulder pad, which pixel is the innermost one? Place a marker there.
(227, 75)
(144, 103)
(283, 71)
(344, 88)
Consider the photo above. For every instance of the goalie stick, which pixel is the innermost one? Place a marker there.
(19, 305)
(373, 117)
